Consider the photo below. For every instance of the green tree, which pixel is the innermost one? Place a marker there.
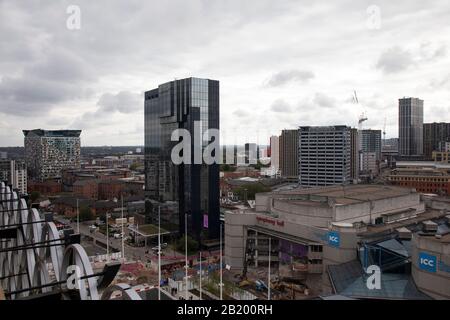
(134, 166)
(259, 165)
(227, 168)
(248, 191)
(85, 214)
(34, 196)
(192, 245)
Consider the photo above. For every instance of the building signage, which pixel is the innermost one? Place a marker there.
(427, 262)
(334, 239)
(205, 221)
(270, 221)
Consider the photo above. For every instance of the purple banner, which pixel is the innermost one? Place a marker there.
(205, 221)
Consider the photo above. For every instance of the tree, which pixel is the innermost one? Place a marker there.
(34, 196)
(260, 165)
(134, 166)
(227, 168)
(85, 214)
(248, 191)
(192, 245)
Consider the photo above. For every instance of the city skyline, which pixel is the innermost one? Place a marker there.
(291, 71)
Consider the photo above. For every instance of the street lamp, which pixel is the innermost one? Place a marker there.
(122, 223)
(78, 218)
(159, 252)
(221, 283)
(107, 236)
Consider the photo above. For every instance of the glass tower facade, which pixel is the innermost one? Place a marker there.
(190, 189)
(410, 126)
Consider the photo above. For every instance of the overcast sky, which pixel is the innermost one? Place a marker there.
(280, 63)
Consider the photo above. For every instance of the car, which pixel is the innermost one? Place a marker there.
(117, 235)
(163, 245)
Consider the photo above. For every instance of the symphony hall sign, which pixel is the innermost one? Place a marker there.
(266, 220)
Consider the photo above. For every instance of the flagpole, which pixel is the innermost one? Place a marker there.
(200, 273)
(221, 284)
(123, 234)
(107, 237)
(186, 252)
(159, 252)
(270, 256)
(78, 218)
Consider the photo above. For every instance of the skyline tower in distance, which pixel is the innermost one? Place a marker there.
(410, 127)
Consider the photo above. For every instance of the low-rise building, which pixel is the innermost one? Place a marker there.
(86, 189)
(340, 231)
(441, 156)
(48, 187)
(424, 176)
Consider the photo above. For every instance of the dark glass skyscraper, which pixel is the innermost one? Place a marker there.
(410, 127)
(180, 189)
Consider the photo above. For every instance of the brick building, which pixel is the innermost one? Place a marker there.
(48, 187)
(86, 189)
(424, 176)
(67, 206)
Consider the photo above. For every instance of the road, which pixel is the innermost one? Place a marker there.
(131, 253)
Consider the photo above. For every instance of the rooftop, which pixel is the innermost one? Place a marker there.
(52, 133)
(341, 195)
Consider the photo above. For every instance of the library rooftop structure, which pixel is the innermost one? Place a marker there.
(335, 233)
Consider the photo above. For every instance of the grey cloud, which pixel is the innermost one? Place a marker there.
(133, 46)
(394, 60)
(324, 101)
(429, 51)
(60, 77)
(240, 113)
(124, 102)
(280, 106)
(285, 77)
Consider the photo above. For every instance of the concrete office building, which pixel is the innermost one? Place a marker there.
(15, 172)
(435, 137)
(288, 147)
(369, 164)
(324, 155)
(370, 155)
(275, 153)
(410, 126)
(339, 231)
(48, 152)
(191, 104)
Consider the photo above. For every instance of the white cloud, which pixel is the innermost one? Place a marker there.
(311, 54)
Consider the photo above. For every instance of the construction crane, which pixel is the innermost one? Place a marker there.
(362, 117)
